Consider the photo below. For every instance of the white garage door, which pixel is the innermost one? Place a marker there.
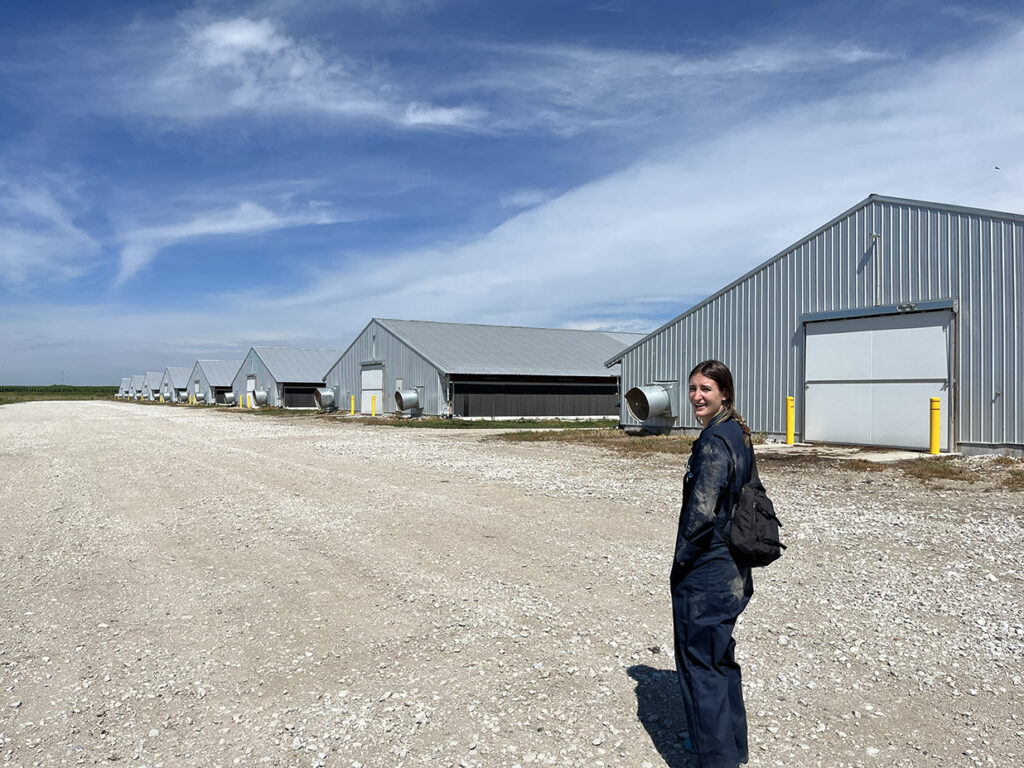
(372, 387)
(869, 380)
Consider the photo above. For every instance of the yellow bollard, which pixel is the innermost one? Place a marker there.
(352, 407)
(790, 420)
(373, 405)
(936, 409)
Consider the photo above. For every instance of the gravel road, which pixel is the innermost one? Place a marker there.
(186, 587)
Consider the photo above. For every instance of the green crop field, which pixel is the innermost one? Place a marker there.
(23, 394)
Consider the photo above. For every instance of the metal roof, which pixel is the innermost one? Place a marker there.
(295, 365)
(220, 373)
(460, 348)
(178, 376)
(617, 358)
(126, 381)
(137, 380)
(152, 379)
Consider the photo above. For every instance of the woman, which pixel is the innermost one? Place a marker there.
(709, 589)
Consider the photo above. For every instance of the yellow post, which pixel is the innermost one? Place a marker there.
(790, 420)
(373, 405)
(936, 409)
(352, 407)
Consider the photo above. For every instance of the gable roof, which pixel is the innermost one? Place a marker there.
(178, 376)
(152, 379)
(294, 364)
(873, 198)
(219, 373)
(137, 380)
(463, 348)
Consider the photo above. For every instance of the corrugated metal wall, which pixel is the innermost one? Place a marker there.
(204, 384)
(882, 252)
(376, 344)
(252, 365)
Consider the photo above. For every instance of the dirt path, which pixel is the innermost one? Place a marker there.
(182, 587)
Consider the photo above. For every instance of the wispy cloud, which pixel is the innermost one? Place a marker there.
(569, 89)
(524, 198)
(39, 239)
(242, 66)
(141, 245)
(202, 69)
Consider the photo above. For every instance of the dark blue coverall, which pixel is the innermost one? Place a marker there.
(709, 591)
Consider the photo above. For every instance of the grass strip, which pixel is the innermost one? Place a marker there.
(616, 440)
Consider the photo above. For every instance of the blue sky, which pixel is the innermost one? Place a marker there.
(185, 180)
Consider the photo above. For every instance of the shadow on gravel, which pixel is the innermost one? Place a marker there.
(659, 706)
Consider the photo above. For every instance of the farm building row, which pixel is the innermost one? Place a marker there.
(862, 322)
(428, 368)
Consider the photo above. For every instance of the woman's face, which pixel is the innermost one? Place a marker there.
(705, 397)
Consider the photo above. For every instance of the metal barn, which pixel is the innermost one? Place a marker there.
(863, 321)
(283, 377)
(478, 370)
(174, 384)
(122, 391)
(151, 385)
(210, 381)
(135, 388)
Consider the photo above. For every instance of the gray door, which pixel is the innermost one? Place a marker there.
(869, 380)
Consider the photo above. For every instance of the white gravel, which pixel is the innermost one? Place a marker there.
(183, 587)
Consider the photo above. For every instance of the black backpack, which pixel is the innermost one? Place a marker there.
(753, 534)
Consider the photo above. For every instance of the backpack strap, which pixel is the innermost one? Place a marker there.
(754, 476)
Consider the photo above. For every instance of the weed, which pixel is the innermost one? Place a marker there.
(861, 465)
(1014, 480)
(937, 469)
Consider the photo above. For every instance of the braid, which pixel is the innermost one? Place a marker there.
(735, 416)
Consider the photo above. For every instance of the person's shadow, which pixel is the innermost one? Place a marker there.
(659, 706)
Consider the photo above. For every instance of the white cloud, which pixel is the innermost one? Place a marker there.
(228, 43)
(38, 237)
(569, 89)
(455, 117)
(218, 69)
(141, 245)
(242, 66)
(524, 198)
